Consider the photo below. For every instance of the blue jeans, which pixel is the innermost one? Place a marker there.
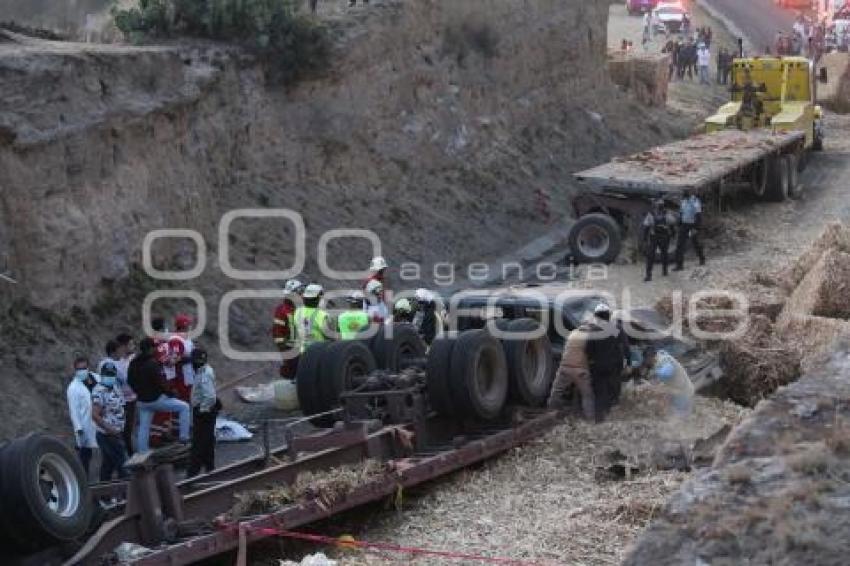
(166, 405)
(113, 456)
(703, 75)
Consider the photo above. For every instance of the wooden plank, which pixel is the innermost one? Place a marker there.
(693, 163)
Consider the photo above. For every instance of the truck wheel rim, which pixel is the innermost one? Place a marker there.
(58, 485)
(484, 378)
(593, 241)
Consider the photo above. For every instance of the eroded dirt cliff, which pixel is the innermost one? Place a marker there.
(435, 127)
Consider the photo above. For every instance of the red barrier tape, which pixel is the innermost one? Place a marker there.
(386, 547)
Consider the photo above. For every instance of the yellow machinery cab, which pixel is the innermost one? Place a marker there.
(781, 95)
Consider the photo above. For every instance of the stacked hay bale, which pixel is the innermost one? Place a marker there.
(817, 313)
(757, 364)
(644, 75)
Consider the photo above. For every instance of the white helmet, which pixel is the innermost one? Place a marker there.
(424, 295)
(293, 286)
(602, 310)
(313, 291)
(374, 287)
(377, 264)
(403, 305)
(356, 298)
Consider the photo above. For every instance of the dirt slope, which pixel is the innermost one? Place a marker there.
(436, 125)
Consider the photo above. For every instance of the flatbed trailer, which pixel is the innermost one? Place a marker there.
(615, 197)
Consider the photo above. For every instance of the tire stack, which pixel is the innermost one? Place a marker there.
(327, 369)
(474, 374)
(45, 494)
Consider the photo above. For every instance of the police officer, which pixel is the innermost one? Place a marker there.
(690, 220)
(658, 225)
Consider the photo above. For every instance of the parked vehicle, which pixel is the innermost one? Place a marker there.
(636, 7)
(669, 17)
(759, 141)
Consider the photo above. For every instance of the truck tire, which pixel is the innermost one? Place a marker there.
(777, 182)
(530, 364)
(390, 353)
(478, 375)
(342, 362)
(595, 238)
(759, 176)
(307, 378)
(45, 493)
(437, 375)
(795, 189)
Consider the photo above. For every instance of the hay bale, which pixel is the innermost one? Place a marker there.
(812, 337)
(824, 289)
(834, 236)
(758, 364)
(644, 75)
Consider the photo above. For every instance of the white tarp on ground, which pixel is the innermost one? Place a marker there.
(227, 430)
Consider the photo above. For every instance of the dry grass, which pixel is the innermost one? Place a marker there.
(545, 502)
(812, 336)
(325, 486)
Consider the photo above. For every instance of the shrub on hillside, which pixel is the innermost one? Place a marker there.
(291, 43)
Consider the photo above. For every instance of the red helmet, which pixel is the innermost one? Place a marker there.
(182, 322)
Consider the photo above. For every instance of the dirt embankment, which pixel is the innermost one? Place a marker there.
(778, 490)
(435, 126)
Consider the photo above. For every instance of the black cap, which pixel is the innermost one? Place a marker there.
(109, 369)
(199, 356)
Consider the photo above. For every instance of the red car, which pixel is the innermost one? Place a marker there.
(635, 7)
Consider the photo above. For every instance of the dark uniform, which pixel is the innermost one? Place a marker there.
(659, 227)
(689, 224)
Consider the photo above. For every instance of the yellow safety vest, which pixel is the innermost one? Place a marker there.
(310, 325)
(351, 323)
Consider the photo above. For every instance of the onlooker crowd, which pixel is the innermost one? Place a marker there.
(131, 400)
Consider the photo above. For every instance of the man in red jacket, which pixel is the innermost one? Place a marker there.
(282, 328)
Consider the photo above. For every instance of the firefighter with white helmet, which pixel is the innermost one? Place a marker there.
(377, 272)
(353, 320)
(376, 307)
(403, 311)
(283, 326)
(311, 321)
(428, 319)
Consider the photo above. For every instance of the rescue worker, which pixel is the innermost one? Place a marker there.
(690, 220)
(283, 331)
(658, 225)
(353, 320)
(666, 369)
(180, 351)
(125, 355)
(377, 272)
(403, 311)
(205, 409)
(574, 369)
(311, 321)
(108, 415)
(376, 307)
(427, 319)
(80, 410)
(607, 356)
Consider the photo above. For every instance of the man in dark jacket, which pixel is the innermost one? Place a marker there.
(606, 358)
(146, 377)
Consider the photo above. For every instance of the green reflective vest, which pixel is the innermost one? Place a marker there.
(351, 323)
(310, 325)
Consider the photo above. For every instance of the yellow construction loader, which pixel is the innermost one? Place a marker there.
(776, 93)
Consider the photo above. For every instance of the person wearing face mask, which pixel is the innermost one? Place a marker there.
(80, 410)
(205, 408)
(108, 414)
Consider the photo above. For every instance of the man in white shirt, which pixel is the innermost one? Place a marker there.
(703, 61)
(80, 410)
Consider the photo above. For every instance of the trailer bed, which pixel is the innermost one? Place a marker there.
(691, 164)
